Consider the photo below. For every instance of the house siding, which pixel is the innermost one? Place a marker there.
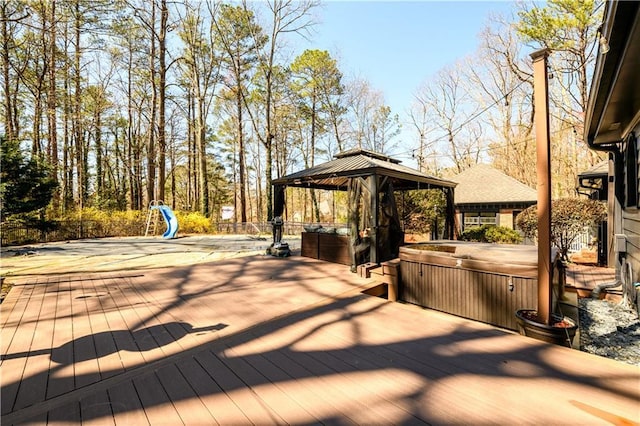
(505, 214)
(631, 221)
(506, 219)
(631, 218)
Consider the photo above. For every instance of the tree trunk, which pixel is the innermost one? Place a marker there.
(241, 155)
(201, 135)
(52, 106)
(97, 119)
(77, 115)
(173, 162)
(9, 119)
(129, 170)
(67, 150)
(269, 173)
(162, 143)
(312, 153)
(191, 154)
(151, 147)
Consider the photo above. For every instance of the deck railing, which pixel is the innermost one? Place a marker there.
(13, 234)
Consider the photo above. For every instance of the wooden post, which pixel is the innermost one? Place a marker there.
(374, 256)
(541, 111)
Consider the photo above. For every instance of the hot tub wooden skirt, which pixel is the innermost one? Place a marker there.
(483, 296)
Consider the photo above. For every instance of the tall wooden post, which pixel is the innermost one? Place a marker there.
(374, 254)
(541, 110)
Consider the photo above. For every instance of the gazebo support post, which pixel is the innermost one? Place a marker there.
(450, 215)
(374, 193)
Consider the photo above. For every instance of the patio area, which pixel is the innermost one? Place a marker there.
(254, 339)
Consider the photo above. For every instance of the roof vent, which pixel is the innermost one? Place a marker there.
(366, 153)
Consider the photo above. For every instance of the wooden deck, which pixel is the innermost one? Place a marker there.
(582, 279)
(262, 340)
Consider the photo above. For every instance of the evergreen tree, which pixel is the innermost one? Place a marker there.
(25, 184)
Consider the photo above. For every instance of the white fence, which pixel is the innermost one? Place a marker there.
(583, 240)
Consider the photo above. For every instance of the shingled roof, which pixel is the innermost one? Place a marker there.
(335, 174)
(482, 184)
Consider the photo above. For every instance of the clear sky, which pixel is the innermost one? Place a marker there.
(396, 45)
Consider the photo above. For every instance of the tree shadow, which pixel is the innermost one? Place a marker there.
(98, 345)
(224, 369)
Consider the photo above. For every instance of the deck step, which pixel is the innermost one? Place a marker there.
(585, 257)
(379, 290)
(387, 274)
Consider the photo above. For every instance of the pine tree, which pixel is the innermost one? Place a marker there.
(25, 184)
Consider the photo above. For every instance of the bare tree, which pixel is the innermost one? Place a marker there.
(371, 123)
(452, 110)
(504, 88)
(420, 121)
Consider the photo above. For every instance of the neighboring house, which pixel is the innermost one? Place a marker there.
(486, 196)
(612, 124)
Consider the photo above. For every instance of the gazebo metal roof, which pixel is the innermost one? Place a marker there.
(335, 174)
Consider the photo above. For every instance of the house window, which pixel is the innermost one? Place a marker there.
(479, 219)
(632, 172)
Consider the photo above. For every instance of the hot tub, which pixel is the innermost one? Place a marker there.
(483, 282)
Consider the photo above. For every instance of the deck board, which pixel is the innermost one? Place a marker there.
(249, 403)
(588, 277)
(86, 366)
(263, 340)
(125, 405)
(186, 402)
(61, 350)
(31, 374)
(155, 401)
(216, 401)
(95, 410)
(284, 408)
(319, 401)
(67, 414)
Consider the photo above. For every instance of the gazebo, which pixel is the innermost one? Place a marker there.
(371, 179)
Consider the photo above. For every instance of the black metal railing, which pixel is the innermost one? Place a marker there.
(16, 233)
(20, 233)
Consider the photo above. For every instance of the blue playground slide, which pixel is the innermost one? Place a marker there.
(171, 220)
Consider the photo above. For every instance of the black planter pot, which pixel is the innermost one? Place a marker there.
(562, 336)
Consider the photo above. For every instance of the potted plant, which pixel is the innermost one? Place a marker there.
(559, 331)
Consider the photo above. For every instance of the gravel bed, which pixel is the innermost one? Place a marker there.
(611, 330)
